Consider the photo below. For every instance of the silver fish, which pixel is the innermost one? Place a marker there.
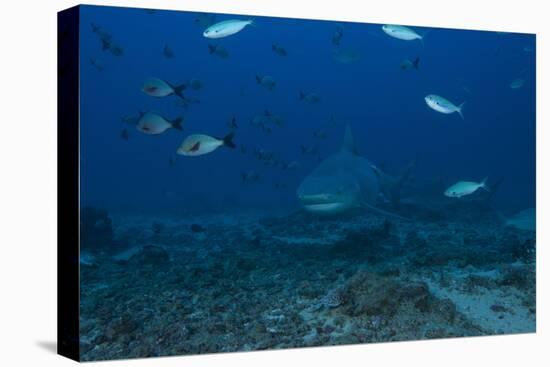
(401, 32)
(464, 188)
(310, 98)
(443, 105)
(153, 124)
(156, 87)
(200, 144)
(226, 28)
(266, 81)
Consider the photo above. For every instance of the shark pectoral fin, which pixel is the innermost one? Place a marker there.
(386, 213)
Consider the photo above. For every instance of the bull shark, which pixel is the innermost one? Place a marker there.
(346, 181)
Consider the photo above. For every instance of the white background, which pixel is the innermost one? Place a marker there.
(28, 182)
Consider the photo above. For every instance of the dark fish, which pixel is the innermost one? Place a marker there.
(271, 117)
(106, 40)
(266, 81)
(278, 50)
(195, 84)
(204, 20)
(96, 64)
(124, 135)
(233, 123)
(218, 50)
(116, 50)
(337, 35)
(345, 56)
(320, 133)
(197, 228)
(280, 185)
(105, 44)
(416, 62)
(310, 98)
(262, 155)
(167, 51)
(243, 149)
(171, 161)
(308, 150)
(408, 64)
(150, 11)
(250, 177)
(103, 35)
(185, 102)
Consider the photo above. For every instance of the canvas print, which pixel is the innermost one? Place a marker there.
(252, 183)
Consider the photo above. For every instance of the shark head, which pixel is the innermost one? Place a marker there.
(329, 194)
(339, 183)
(346, 181)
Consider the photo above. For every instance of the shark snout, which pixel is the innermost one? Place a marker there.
(323, 203)
(315, 198)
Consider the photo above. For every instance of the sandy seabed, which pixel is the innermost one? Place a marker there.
(251, 281)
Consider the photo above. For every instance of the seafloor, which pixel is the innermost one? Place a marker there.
(251, 281)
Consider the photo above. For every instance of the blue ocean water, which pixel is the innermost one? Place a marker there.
(384, 105)
(186, 255)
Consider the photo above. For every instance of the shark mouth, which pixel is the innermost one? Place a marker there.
(323, 204)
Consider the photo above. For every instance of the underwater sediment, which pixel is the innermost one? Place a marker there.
(224, 283)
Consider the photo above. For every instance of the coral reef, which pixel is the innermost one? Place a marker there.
(253, 282)
(96, 232)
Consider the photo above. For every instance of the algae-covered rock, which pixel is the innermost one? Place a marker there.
(96, 230)
(370, 294)
(150, 255)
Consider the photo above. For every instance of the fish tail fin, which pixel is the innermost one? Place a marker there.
(228, 140)
(423, 36)
(494, 188)
(459, 109)
(178, 90)
(177, 123)
(258, 79)
(105, 44)
(416, 62)
(302, 96)
(484, 184)
(274, 46)
(252, 22)
(211, 48)
(267, 112)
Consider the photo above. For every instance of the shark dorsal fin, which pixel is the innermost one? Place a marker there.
(348, 145)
